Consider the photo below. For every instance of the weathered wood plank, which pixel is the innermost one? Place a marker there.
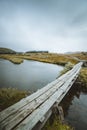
(23, 102)
(30, 121)
(16, 113)
(13, 109)
(27, 100)
(26, 110)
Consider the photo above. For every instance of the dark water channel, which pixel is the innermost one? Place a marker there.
(75, 107)
(33, 75)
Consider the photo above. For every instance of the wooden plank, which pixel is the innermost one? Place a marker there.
(12, 109)
(66, 79)
(33, 119)
(4, 114)
(29, 122)
(24, 112)
(28, 99)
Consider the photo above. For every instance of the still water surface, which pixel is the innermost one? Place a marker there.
(30, 75)
(77, 113)
(75, 107)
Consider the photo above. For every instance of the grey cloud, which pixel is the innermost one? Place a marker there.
(54, 25)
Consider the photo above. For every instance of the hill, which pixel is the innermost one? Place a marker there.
(7, 51)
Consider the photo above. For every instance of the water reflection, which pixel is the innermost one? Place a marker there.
(75, 107)
(30, 75)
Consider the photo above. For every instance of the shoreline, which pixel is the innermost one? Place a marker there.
(53, 58)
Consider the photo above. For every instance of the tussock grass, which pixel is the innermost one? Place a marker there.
(53, 58)
(82, 79)
(81, 56)
(15, 60)
(56, 124)
(67, 67)
(9, 96)
(11, 57)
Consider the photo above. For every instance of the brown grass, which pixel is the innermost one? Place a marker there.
(56, 124)
(67, 67)
(81, 56)
(11, 57)
(82, 79)
(54, 58)
(9, 96)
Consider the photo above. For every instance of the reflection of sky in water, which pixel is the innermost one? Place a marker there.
(77, 114)
(30, 75)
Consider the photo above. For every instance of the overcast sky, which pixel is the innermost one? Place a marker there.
(53, 25)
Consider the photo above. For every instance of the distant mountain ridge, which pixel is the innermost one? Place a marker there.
(37, 51)
(73, 52)
(6, 51)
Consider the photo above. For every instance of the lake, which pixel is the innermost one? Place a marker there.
(30, 75)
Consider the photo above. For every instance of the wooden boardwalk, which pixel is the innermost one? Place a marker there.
(35, 109)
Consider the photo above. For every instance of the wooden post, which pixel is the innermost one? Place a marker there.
(59, 110)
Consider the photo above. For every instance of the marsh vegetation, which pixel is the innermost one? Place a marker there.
(54, 123)
(9, 96)
(53, 58)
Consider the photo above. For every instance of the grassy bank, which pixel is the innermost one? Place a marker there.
(9, 96)
(53, 58)
(82, 78)
(11, 57)
(54, 123)
(67, 67)
(80, 55)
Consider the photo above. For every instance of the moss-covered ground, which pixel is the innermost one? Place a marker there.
(82, 78)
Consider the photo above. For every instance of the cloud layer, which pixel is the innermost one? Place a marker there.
(54, 25)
